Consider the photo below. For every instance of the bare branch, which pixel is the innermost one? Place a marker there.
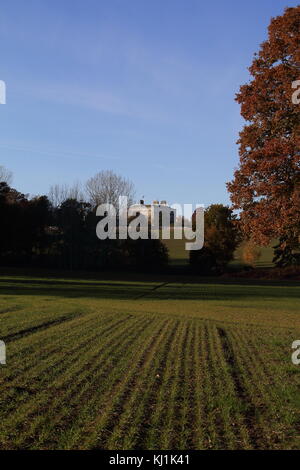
(107, 187)
(58, 193)
(6, 175)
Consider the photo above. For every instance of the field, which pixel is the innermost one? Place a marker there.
(136, 364)
(179, 256)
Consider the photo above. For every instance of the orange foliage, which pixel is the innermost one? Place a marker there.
(266, 186)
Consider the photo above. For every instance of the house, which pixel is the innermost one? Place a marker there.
(166, 214)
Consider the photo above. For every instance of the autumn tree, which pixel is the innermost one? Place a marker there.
(251, 253)
(266, 185)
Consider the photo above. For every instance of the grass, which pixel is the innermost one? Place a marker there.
(266, 255)
(179, 256)
(134, 364)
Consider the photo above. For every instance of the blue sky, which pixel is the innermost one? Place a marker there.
(145, 88)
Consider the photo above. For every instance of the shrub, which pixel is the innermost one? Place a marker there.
(251, 253)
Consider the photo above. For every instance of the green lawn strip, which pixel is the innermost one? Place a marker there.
(232, 398)
(197, 384)
(168, 433)
(59, 378)
(100, 424)
(96, 377)
(182, 439)
(159, 426)
(31, 366)
(40, 346)
(144, 393)
(225, 398)
(270, 405)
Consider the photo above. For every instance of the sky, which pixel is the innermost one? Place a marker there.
(143, 87)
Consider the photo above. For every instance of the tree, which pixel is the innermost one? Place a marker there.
(107, 187)
(59, 193)
(71, 217)
(23, 236)
(286, 253)
(221, 238)
(266, 186)
(146, 255)
(12, 206)
(6, 175)
(251, 253)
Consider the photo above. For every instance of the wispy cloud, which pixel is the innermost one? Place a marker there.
(55, 153)
(124, 73)
(98, 100)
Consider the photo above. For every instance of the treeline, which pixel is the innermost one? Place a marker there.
(59, 231)
(34, 232)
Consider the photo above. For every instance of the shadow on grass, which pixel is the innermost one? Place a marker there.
(152, 288)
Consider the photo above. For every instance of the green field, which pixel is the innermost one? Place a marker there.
(179, 256)
(136, 364)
